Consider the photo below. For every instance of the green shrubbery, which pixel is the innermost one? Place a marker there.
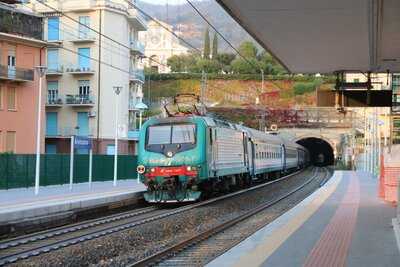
(301, 88)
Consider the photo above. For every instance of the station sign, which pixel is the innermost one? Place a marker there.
(82, 142)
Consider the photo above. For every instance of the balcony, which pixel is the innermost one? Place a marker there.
(136, 75)
(133, 135)
(80, 71)
(136, 18)
(54, 101)
(67, 132)
(16, 74)
(84, 37)
(137, 48)
(55, 70)
(79, 100)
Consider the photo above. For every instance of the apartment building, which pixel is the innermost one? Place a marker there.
(21, 50)
(84, 67)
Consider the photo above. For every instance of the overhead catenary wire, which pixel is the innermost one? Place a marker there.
(221, 35)
(131, 4)
(94, 30)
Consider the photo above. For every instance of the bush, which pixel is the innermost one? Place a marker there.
(301, 88)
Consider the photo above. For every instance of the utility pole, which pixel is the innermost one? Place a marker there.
(203, 89)
(262, 81)
(365, 141)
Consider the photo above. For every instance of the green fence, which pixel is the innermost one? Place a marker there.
(19, 170)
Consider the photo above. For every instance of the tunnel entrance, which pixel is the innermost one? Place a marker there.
(321, 152)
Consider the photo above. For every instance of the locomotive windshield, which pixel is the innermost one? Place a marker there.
(171, 134)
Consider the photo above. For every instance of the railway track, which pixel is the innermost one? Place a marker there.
(31, 245)
(192, 252)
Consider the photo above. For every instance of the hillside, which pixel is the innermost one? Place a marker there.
(235, 93)
(186, 20)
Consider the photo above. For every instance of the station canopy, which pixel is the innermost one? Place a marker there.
(323, 36)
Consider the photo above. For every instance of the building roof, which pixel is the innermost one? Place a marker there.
(18, 9)
(323, 36)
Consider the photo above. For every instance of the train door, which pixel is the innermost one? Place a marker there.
(211, 151)
(245, 151)
(252, 154)
(283, 158)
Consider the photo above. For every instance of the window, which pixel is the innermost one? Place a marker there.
(83, 58)
(159, 135)
(84, 31)
(83, 123)
(171, 134)
(53, 29)
(110, 150)
(52, 92)
(396, 83)
(51, 124)
(51, 149)
(84, 87)
(52, 60)
(11, 62)
(356, 80)
(1, 141)
(183, 134)
(10, 141)
(11, 98)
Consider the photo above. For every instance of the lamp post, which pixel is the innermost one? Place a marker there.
(117, 90)
(141, 107)
(41, 70)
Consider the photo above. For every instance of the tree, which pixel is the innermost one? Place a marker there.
(206, 51)
(182, 63)
(209, 66)
(269, 64)
(215, 47)
(225, 60)
(248, 49)
(175, 63)
(248, 66)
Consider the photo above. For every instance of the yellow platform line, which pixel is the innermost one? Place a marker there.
(272, 242)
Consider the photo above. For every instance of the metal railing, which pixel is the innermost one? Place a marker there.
(137, 74)
(80, 70)
(79, 100)
(57, 69)
(54, 100)
(16, 73)
(137, 46)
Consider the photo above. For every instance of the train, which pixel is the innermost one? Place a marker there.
(188, 158)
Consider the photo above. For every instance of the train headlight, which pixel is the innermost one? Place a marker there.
(141, 169)
(170, 154)
(152, 169)
(190, 168)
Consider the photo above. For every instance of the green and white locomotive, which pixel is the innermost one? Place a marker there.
(184, 158)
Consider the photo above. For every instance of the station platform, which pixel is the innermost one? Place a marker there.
(343, 223)
(22, 205)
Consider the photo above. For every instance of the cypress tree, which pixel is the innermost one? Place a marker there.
(206, 52)
(215, 47)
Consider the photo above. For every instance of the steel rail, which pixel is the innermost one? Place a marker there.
(30, 252)
(175, 249)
